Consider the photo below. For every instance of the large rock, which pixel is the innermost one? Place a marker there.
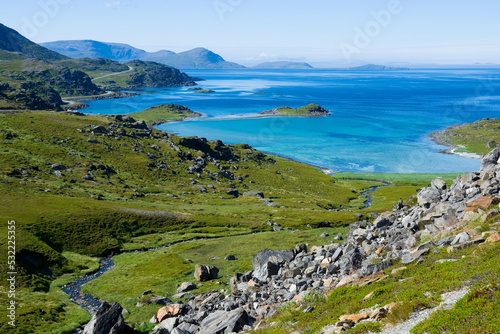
(259, 194)
(169, 311)
(166, 326)
(220, 322)
(205, 273)
(428, 196)
(482, 203)
(268, 262)
(107, 320)
(490, 160)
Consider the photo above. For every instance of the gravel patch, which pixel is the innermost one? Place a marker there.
(449, 299)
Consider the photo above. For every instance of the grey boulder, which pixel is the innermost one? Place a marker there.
(107, 320)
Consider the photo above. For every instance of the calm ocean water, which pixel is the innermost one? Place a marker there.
(380, 120)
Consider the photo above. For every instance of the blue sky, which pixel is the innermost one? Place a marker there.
(322, 32)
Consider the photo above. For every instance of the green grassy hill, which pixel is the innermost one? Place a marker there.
(35, 78)
(82, 186)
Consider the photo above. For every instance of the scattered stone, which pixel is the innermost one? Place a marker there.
(368, 296)
(494, 238)
(259, 194)
(410, 257)
(205, 273)
(233, 192)
(397, 271)
(461, 238)
(324, 235)
(186, 286)
(230, 258)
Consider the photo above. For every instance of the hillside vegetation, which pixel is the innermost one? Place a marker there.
(35, 78)
(82, 186)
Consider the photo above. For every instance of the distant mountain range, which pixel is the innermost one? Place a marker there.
(34, 77)
(372, 67)
(283, 65)
(199, 58)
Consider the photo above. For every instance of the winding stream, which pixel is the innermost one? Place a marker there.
(369, 199)
(91, 304)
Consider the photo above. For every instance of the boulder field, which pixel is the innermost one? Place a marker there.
(281, 276)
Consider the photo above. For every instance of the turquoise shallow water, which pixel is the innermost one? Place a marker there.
(380, 120)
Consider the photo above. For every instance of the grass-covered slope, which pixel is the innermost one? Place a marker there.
(12, 41)
(89, 184)
(94, 67)
(97, 185)
(147, 74)
(36, 84)
(35, 78)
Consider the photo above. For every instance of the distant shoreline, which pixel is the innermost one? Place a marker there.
(437, 137)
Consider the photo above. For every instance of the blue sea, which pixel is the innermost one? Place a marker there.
(380, 120)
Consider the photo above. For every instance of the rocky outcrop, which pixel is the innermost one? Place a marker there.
(281, 276)
(107, 320)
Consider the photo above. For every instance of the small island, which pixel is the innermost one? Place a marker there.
(164, 113)
(311, 110)
(205, 91)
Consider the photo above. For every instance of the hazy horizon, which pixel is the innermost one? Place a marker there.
(322, 33)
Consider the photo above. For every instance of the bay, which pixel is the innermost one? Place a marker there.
(380, 120)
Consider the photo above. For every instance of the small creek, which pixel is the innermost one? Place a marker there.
(367, 193)
(91, 304)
